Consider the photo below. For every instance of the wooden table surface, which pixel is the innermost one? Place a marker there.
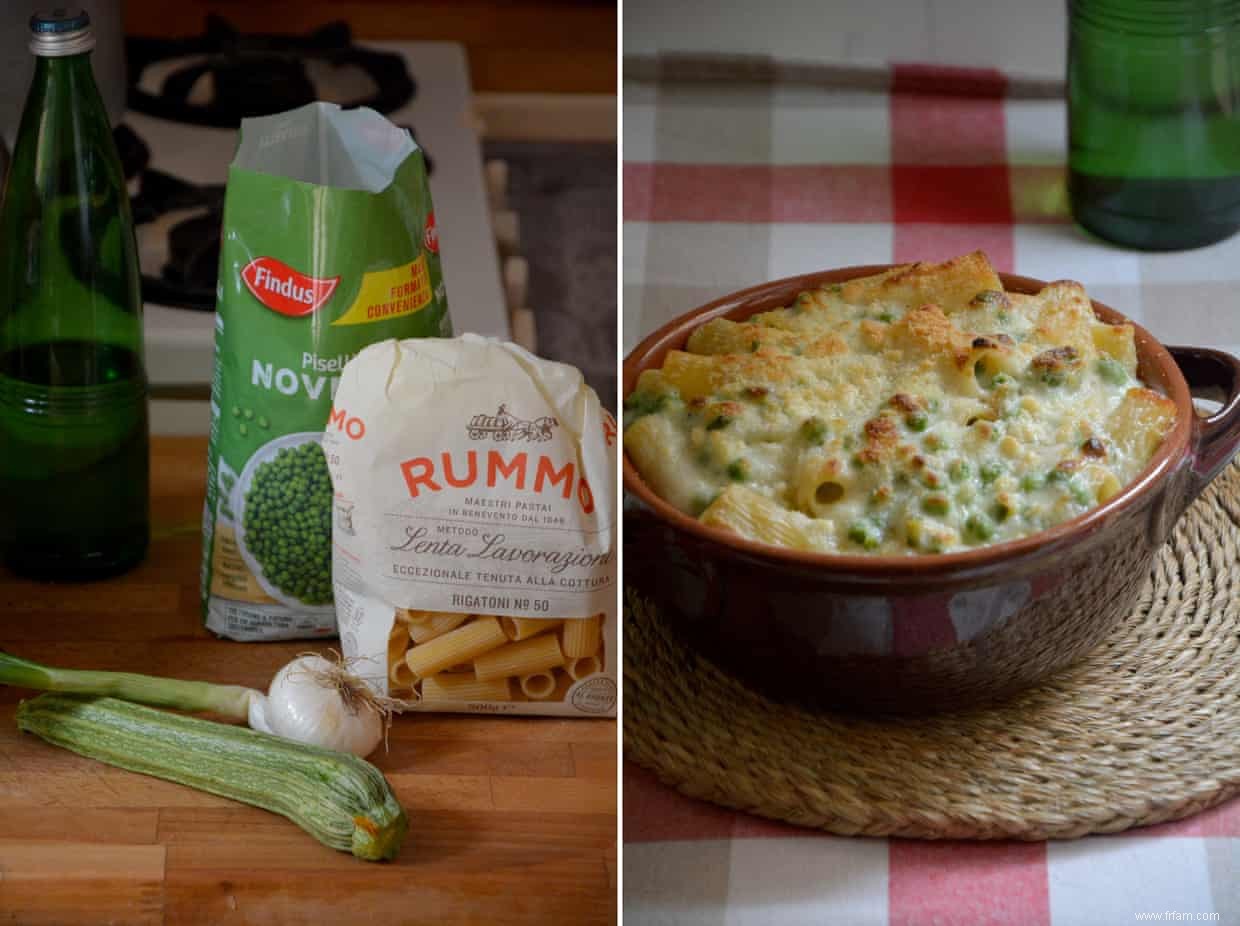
(511, 819)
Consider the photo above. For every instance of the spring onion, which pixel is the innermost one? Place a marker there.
(311, 700)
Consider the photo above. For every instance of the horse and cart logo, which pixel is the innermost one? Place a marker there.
(505, 426)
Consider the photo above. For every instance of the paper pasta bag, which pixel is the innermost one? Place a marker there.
(474, 531)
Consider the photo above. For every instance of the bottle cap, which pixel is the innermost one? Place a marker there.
(59, 32)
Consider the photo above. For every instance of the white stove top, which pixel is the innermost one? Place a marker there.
(180, 342)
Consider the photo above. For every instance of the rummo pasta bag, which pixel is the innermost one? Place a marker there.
(328, 245)
(475, 528)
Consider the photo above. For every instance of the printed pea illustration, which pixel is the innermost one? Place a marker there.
(246, 415)
(288, 523)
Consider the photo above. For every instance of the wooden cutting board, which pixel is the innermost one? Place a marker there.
(511, 819)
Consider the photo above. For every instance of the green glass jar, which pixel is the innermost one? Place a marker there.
(1154, 120)
(73, 413)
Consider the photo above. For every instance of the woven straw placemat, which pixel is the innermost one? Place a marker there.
(1144, 730)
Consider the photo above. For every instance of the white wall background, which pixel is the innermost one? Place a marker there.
(1019, 36)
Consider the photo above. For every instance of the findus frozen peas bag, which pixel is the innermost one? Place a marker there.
(475, 528)
(328, 245)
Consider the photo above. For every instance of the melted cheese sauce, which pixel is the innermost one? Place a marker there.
(867, 417)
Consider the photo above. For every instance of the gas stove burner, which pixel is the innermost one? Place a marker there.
(227, 76)
(134, 153)
(188, 277)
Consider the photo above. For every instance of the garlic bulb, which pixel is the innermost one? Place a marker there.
(314, 700)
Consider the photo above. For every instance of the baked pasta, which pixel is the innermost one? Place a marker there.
(920, 410)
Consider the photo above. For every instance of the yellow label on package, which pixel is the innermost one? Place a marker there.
(390, 293)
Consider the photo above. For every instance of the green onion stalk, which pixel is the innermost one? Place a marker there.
(312, 700)
(232, 701)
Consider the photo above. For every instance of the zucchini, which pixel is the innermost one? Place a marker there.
(341, 800)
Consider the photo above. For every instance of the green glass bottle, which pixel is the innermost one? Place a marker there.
(1154, 120)
(73, 413)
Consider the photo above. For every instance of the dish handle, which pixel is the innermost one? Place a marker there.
(1214, 375)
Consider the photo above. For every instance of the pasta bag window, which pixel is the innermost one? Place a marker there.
(474, 528)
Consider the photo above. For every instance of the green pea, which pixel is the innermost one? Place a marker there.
(738, 470)
(991, 471)
(935, 504)
(959, 471)
(718, 423)
(865, 534)
(1002, 511)
(917, 421)
(1031, 482)
(887, 317)
(640, 404)
(813, 431)
(1080, 493)
(979, 527)
(1112, 371)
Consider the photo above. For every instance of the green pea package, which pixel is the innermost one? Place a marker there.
(328, 245)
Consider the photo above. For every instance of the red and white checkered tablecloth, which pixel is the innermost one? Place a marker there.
(728, 183)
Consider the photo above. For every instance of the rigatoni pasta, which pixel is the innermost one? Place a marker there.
(434, 625)
(582, 667)
(449, 686)
(538, 686)
(519, 628)
(524, 658)
(465, 643)
(581, 638)
(400, 677)
(528, 659)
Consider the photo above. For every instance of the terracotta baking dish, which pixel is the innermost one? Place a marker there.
(932, 632)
